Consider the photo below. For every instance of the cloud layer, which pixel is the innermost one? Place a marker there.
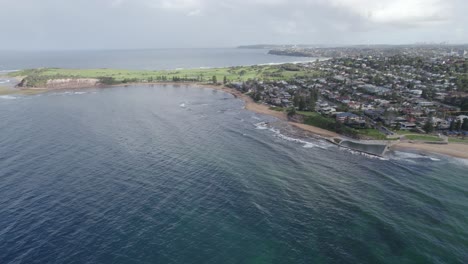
(101, 24)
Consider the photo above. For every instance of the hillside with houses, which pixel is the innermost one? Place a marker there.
(377, 93)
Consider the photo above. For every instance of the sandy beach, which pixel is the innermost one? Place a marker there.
(458, 150)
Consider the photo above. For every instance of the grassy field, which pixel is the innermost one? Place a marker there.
(372, 133)
(276, 108)
(38, 77)
(458, 140)
(305, 113)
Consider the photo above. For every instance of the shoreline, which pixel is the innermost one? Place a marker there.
(456, 150)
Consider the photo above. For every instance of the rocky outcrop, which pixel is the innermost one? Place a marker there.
(71, 83)
(23, 83)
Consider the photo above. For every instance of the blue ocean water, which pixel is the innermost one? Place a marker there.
(157, 59)
(180, 174)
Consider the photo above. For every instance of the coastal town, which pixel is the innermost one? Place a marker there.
(419, 92)
(393, 94)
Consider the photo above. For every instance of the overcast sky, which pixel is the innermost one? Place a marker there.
(128, 24)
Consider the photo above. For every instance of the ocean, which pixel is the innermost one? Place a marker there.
(157, 59)
(181, 174)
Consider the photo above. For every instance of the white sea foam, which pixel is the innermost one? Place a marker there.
(8, 97)
(4, 81)
(459, 161)
(8, 71)
(409, 156)
(306, 144)
(309, 145)
(261, 126)
(182, 105)
(355, 152)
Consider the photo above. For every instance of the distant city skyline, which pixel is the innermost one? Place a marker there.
(146, 24)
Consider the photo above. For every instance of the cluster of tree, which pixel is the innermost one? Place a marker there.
(256, 96)
(330, 124)
(306, 102)
(457, 125)
(129, 80)
(428, 94)
(462, 83)
(290, 67)
(108, 80)
(464, 105)
(185, 79)
(428, 126)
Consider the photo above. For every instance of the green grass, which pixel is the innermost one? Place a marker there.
(458, 140)
(276, 108)
(371, 133)
(423, 138)
(308, 114)
(39, 77)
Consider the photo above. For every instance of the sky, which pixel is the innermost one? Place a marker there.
(138, 24)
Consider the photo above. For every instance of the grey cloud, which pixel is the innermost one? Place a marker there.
(112, 24)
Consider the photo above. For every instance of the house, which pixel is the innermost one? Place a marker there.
(423, 104)
(407, 126)
(328, 110)
(347, 117)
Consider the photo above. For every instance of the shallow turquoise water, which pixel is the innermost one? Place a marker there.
(171, 174)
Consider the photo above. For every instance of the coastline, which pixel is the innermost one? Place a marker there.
(457, 150)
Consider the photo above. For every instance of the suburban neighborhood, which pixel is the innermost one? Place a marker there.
(376, 93)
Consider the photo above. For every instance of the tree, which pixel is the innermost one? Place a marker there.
(214, 79)
(291, 111)
(458, 125)
(311, 104)
(429, 126)
(312, 100)
(225, 81)
(296, 101)
(257, 97)
(464, 105)
(302, 104)
(462, 82)
(465, 124)
(452, 125)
